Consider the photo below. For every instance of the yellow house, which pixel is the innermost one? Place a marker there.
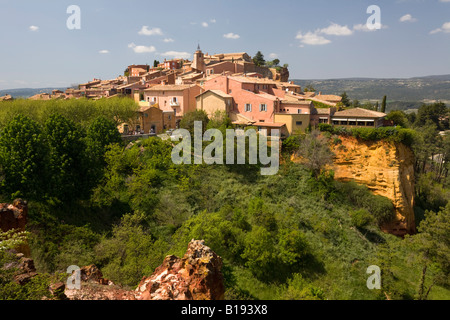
(294, 122)
(212, 101)
(149, 119)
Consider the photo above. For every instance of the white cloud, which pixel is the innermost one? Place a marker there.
(141, 49)
(213, 21)
(407, 18)
(167, 40)
(231, 35)
(363, 27)
(444, 0)
(445, 28)
(205, 24)
(273, 56)
(145, 31)
(336, 30)
(103, 51)
(176, 54)
(34, 28)
(312, 38)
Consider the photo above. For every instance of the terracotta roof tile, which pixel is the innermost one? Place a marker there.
(359, 112)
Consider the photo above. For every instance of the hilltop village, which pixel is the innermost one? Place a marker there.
(251, 95)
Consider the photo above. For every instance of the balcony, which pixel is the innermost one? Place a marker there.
(174, 103)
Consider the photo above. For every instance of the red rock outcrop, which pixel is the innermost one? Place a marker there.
(196, 276)
(13, 216)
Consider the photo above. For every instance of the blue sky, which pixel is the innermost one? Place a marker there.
(318, 39)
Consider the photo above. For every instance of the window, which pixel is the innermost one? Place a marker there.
(174, 100)
(154, 99)
(299, 123)
(248, 107)
(299, 110)
(230, 91)
(262, 107)
(170, 118)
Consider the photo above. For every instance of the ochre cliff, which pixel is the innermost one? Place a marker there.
(387, 169)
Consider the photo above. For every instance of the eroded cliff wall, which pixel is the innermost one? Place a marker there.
(387, 169)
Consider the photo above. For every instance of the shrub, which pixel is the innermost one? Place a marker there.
(361, 218)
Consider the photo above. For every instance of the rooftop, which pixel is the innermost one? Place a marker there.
(217, 92)
(171, 87)
(359, 112)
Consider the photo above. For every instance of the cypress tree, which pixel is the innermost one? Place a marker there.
(383, 105)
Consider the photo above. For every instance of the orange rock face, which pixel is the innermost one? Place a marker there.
(196, 276)
(387, 169)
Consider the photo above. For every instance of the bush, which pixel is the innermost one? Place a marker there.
(130, 253)
(393, 134)
(381, 208)
(361, 218)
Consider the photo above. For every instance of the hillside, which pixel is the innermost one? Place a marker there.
(27, 92)
(402, 93)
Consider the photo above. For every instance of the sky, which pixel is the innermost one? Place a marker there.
(45, 43)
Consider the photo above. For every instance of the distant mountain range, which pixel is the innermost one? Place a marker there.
(28, 92)
(401, 93)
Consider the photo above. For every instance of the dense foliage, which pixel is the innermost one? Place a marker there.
(298, 234)
(394, 134)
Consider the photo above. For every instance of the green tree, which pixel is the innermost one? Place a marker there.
(383, 104)
(433, 246)
(191, 117)
(100, 135)
(276, 62)
(155, 63)
(130, 253)
(315, 151)
(258, 59)
(68, 165)
(345, 99)
(356, 103)
(399, 118)
(434, 112)
(23, 159)
(260, 252)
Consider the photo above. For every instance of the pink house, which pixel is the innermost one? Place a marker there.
(252, 97)
(178, 98)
